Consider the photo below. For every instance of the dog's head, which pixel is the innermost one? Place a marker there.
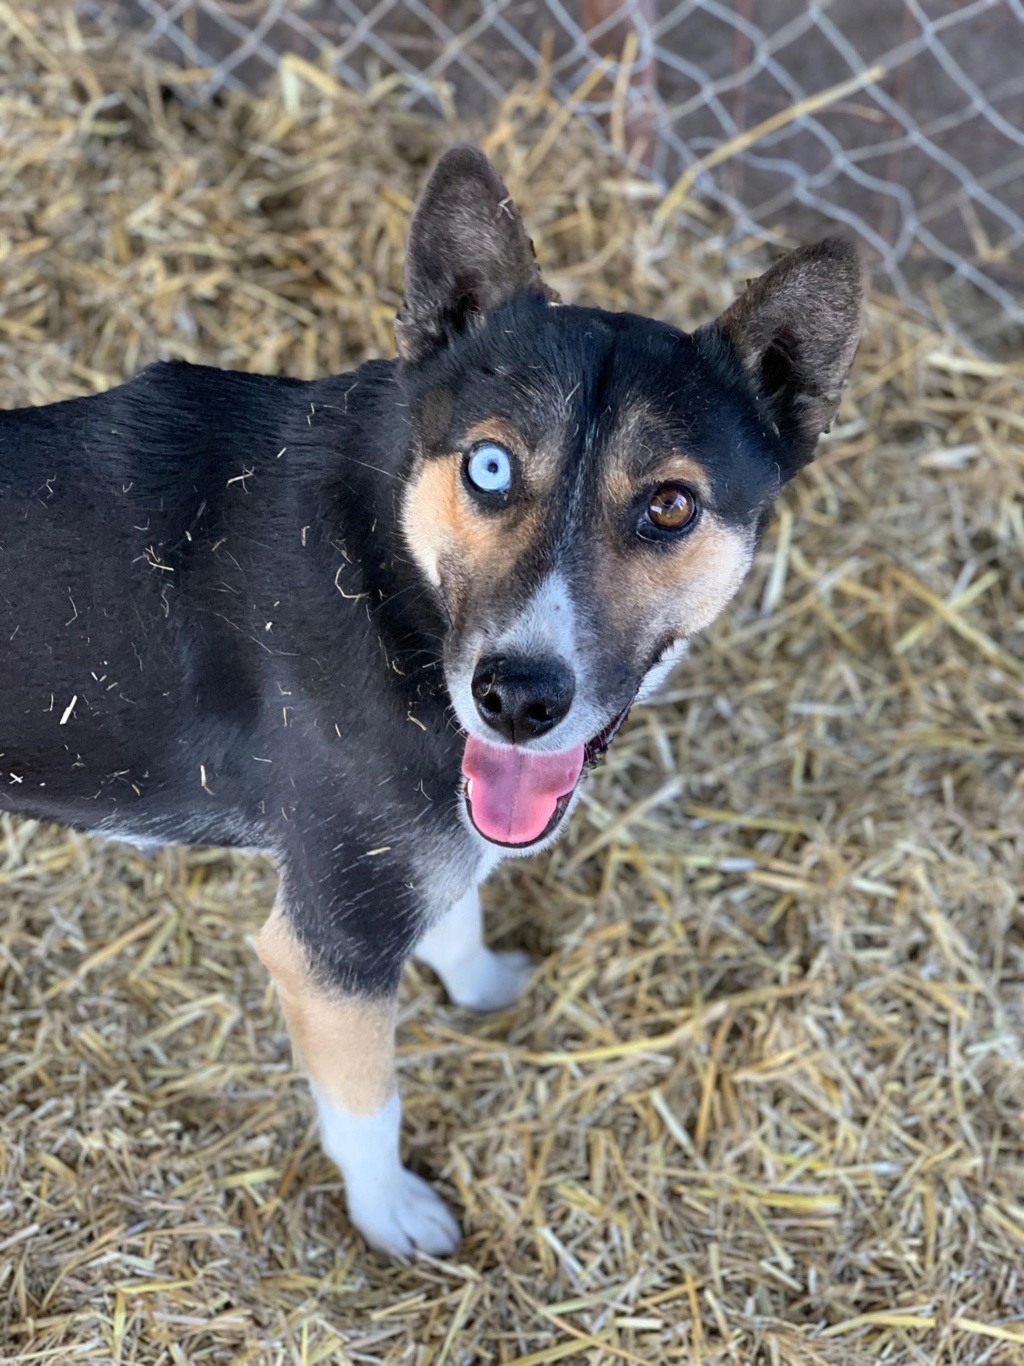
(587, 487)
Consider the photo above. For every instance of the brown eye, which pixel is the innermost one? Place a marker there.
(671, 507)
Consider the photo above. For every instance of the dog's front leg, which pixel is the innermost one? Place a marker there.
(344, 1040)
(473, 975)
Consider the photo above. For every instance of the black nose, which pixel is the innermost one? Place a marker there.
(522, 698)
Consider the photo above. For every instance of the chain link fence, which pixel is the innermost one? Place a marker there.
(900, 120)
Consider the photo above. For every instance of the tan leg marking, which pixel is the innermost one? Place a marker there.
(345, 1044)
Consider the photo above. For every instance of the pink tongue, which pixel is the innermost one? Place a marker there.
(513, 792)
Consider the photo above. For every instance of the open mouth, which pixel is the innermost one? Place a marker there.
(516, 797)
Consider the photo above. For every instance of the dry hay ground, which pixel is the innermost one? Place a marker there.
(764, 1102)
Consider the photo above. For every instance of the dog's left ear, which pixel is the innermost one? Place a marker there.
(468, 253)
(795, 331)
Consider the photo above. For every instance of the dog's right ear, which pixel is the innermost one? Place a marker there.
(794, 332)
(468, 253)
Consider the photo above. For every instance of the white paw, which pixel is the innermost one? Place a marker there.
(394, 1210)
(492, 981)
(406, 1218)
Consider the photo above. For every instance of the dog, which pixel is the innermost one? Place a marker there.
(380, 625)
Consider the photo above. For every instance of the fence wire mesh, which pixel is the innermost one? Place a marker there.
(902, 120)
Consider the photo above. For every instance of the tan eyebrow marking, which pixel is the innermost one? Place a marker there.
(621, 486)
(682, 469)
(495, 429)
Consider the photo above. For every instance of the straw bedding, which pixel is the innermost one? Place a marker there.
(765, 1101)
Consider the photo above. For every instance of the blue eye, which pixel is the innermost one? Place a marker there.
(489, 468)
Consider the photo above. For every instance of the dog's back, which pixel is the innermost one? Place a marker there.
(192, 568)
